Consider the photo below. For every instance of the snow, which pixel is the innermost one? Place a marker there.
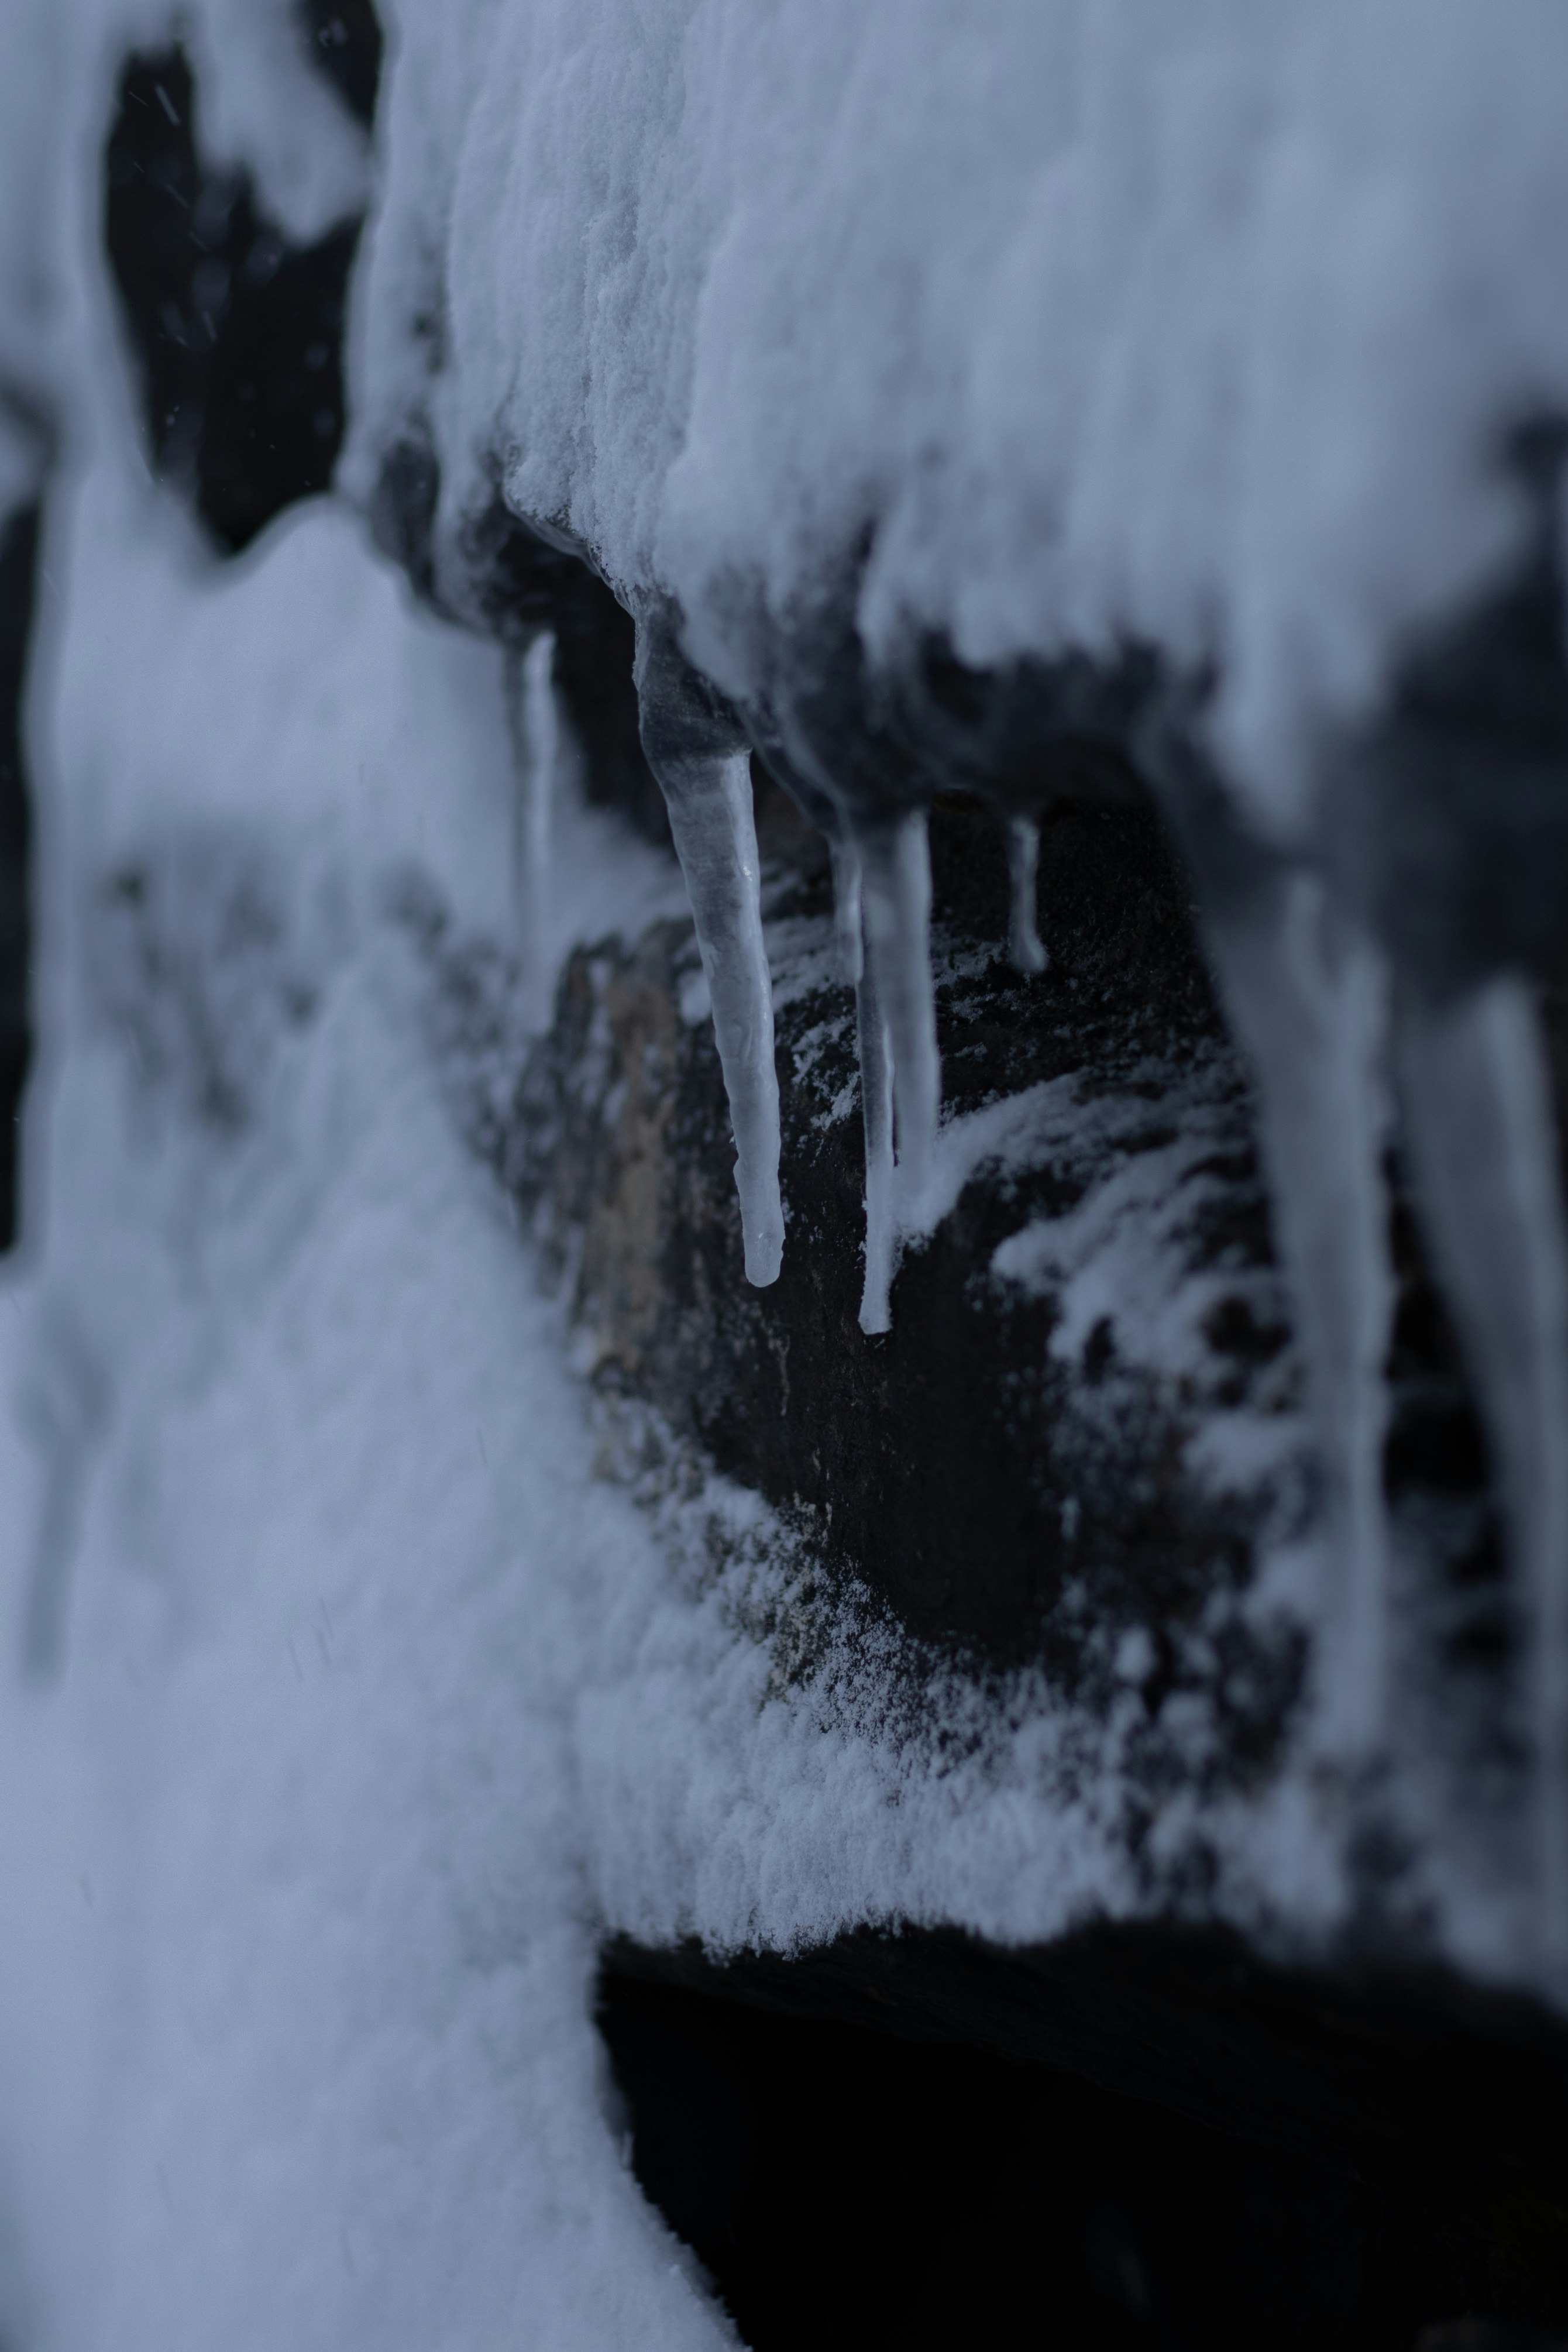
(305, 1525)
(1185, 331)
(359, 1704)
(347, 1704)
(1039, 330)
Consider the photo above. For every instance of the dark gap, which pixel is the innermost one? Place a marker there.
(864, 2148)
(18, 579)
(595, 642)
(345, 39)
(237, 334)
(517, 584)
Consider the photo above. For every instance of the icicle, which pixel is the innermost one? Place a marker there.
(1308, 1002)
(877, 1110)
(895, 863)
(847, 924)
(1477, 1099)
(1023, 943)
(531, 711)
(709, 804)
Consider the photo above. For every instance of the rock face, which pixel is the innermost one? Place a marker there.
(1085, 1432)
(1007, 1470)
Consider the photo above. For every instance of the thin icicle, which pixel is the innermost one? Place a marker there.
(535, 744)
(877, 1110)
(847, 923)
(1477, 1099)
(1308, 1000)
(1023, 943)
(709, 804)
(895, 862)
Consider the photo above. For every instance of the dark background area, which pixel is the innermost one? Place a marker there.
(1133, 2139)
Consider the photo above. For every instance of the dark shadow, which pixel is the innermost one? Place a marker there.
(919, 2142)
(237, 334)
(345, 38)
(18, 580)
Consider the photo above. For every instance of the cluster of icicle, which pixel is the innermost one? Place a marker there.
(1337, 1038)
(1037, 287)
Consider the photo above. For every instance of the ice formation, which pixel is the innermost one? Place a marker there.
(701, 758)
(1152, 340)
(1023, 876)
(1003, 396)
(536, 751)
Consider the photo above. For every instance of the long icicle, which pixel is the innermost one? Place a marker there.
(847, 928)
(1024, 943)
(1477, 1101)
(535, 746)
(709, 804)
(1308, 1000)
(895, 861)
(877, 1113)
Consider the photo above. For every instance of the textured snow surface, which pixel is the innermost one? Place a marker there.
(347, 1705)
(1197, 325)
(298, 1515)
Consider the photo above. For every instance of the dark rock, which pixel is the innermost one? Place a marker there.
(345, 39)
(1134, 2137)
(964, 1474)
(1008, 1496)
(237, 334)
(1451, 819)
